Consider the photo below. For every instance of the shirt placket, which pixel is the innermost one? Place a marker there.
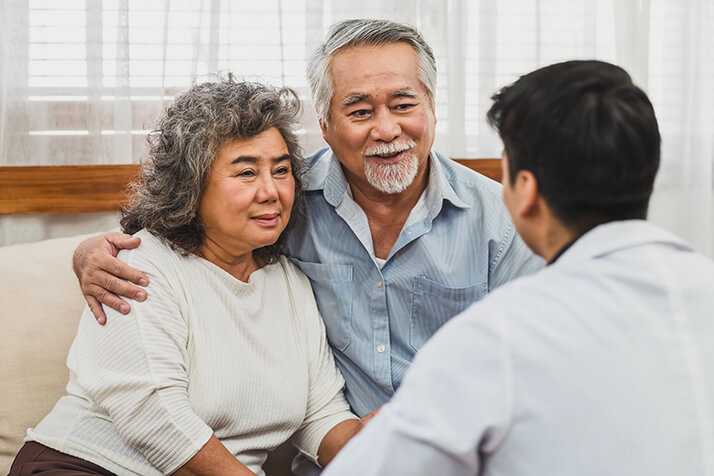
(381, 344)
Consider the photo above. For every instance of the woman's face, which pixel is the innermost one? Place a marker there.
(249, 194)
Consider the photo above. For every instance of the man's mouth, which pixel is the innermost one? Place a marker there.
(389, 153)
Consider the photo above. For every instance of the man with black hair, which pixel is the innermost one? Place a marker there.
(600, 364)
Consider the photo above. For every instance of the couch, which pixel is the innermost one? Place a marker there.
(39, 311)
(40, 306)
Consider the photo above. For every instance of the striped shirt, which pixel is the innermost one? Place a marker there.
(460, 245)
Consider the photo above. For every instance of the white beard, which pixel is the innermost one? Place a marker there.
(392, 178)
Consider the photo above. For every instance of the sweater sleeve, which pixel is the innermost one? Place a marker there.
(326, 405)
(136, 366)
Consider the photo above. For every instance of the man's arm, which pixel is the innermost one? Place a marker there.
(103, 277)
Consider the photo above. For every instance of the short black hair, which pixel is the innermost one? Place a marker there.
(588, 135)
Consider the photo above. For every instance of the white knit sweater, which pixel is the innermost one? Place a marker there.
(204, 354)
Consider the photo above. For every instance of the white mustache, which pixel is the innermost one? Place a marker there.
(390, 148)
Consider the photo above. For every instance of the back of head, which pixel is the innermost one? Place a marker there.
(589, 136)
(364, 32)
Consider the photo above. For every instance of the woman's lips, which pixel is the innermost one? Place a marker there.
(267, 219)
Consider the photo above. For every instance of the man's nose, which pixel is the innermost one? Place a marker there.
(386, 128)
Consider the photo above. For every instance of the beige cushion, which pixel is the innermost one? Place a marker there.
(39, 311)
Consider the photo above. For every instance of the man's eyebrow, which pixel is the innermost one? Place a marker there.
(255, 160)
(354, 98)
(406, 92)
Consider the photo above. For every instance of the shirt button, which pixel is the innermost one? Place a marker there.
(380, 283)
(380, 348)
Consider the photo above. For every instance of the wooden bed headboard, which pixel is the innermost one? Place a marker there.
(100, 188)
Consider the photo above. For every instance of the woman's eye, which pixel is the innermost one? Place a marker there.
(246, 173)
(282, 171)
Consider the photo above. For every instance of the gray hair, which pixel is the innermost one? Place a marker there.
(190, 132)
(364, 32)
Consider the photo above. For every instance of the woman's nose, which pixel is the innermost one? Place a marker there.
(267, 190)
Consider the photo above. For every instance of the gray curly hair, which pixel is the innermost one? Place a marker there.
(165, 200)
(364, 32)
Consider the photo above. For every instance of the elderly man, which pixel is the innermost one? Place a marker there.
(603, 362)
(398, 238)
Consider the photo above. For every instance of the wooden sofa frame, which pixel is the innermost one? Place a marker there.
(100, 188)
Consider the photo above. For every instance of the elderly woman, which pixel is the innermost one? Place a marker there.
(227, 358)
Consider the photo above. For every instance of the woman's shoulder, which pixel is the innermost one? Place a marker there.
(297, 285)
(151, 252)
(291, 272)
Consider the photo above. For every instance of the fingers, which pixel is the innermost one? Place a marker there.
(122, 270)
(108, 288)
(103, 278)
(102, 296)
(122, 241)
(96, 308)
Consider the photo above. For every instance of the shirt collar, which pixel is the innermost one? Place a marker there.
(617, 235)
(326, 174)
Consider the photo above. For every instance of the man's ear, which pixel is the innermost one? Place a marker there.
(526, 190)
(323, 128)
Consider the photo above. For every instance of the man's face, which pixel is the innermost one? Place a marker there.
(382, 123)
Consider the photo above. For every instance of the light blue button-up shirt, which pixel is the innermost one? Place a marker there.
(377, 319)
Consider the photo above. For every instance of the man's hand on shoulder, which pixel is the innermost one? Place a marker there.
(103, 278)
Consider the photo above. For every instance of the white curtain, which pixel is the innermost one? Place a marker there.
(82, 80)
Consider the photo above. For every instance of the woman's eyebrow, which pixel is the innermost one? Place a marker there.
(255, 160)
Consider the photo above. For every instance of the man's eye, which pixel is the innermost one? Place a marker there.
(360, 113)
(403, 107)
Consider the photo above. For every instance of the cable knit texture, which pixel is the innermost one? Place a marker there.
(204, 354)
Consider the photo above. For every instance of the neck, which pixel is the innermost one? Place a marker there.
(387, 213)
(239, 266)
(556, 236)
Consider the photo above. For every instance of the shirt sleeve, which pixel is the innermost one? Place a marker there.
(326, 404)
(455, 404)
(135, 367)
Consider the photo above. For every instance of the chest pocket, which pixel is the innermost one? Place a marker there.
(332, 286)
(433, 304)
